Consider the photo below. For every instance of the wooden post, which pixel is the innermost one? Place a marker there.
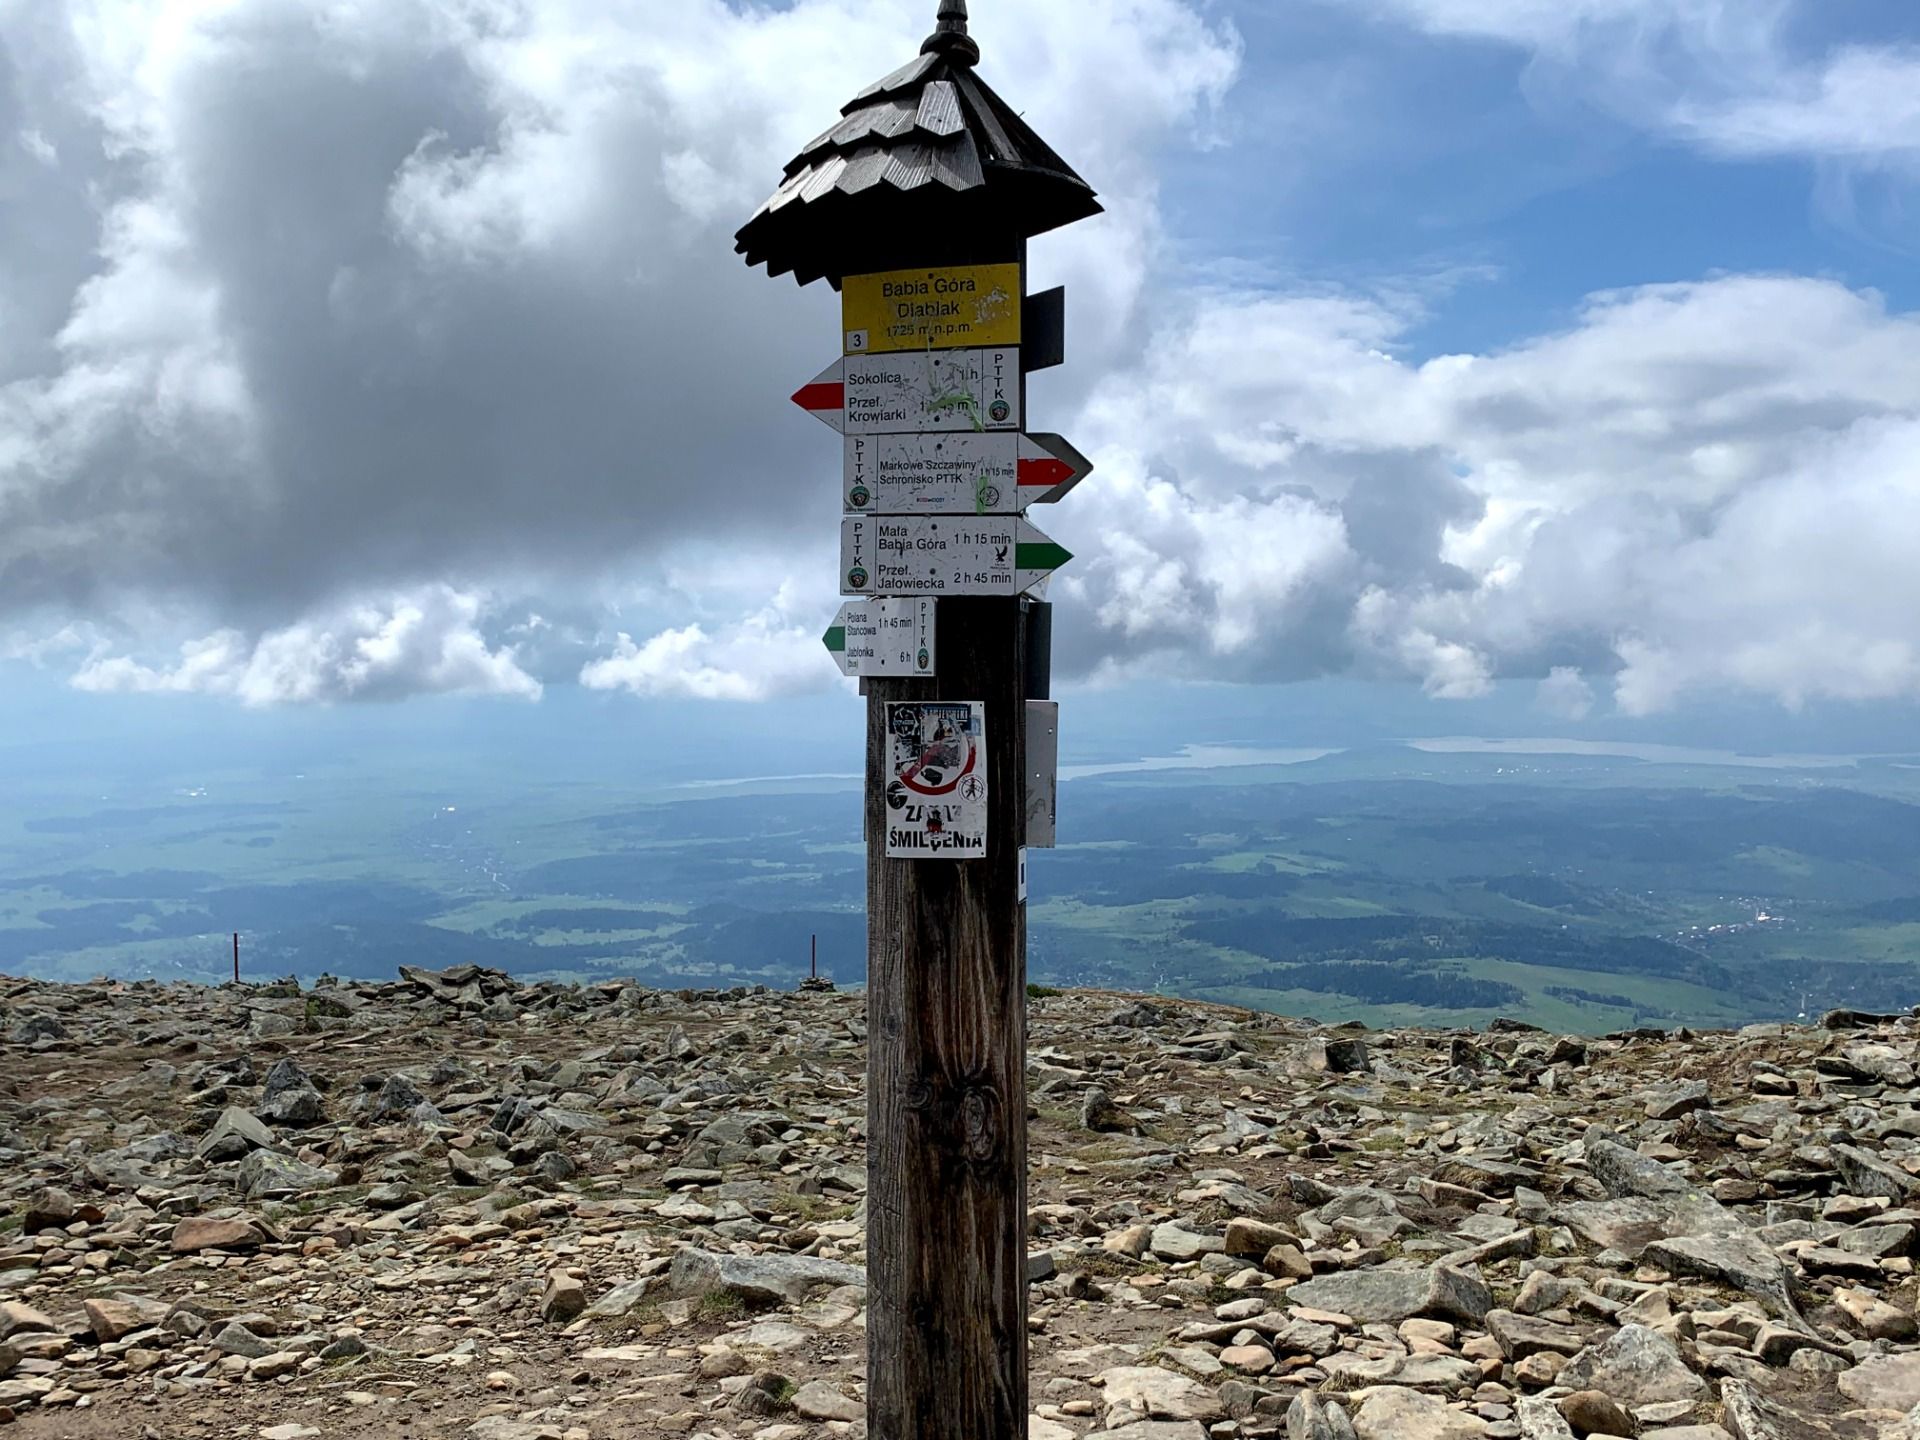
(966, 184)
(946, 1076)
(236, 957)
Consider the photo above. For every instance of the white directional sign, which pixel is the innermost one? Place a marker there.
(943, 555)
(936, 780)
(958, 473)
(943, 390)
(883, 637)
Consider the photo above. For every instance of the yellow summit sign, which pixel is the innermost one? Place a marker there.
(959, 307)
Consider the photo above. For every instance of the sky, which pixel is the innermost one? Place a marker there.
(1553, 358)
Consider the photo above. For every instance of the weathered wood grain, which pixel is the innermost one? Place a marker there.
(946, 1090)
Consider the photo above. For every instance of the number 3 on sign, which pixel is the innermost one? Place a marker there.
(856, 341)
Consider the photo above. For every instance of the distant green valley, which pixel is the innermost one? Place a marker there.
(1388, 885)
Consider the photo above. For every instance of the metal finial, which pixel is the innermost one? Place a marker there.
(950, 34)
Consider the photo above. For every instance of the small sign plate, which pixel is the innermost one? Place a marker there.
(944, 555)
(936, 780)
(883, 637)
(945, 309)
(1043, 772)
(957, 473)
(943, 391)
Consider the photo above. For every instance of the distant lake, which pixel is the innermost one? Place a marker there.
(1227, 757)
(1623, 750)
(1198, 757)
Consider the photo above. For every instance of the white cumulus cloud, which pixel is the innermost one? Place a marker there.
(427, 642)
(764, 656)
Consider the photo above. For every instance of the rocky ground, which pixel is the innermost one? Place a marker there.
(451, 1206)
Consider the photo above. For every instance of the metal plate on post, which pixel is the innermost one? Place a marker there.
(883, 637)
(937, 390)
(1043, 772)
(944, 555)
(936, 780)
(965, 473)
(1044, 329)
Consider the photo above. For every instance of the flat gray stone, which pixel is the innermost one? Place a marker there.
(1670, 1102)
(1311, 1418)
(1870, 1176)
(1737, 1260)
(817, 1400)
(236, 1339)
(1395, 1414)
(1628, 1224)
(622, 1299)
(1636, 1366)
(1541, 1419)
(1383, 1296)
(1886, 1382)
(267, 1173)
(1174, 1242)
(1749, 1415)
(1628, 1172)
(1519, 1336)
(1158, 1394)
(758, 1279)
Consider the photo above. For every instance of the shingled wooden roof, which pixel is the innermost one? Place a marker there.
(928, 159)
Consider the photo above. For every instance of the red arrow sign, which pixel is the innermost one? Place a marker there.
(1060, 468)
(1038, 469)
(825, 396)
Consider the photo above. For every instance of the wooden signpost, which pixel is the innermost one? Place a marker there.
(918, 205)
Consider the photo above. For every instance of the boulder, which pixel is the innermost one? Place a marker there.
(48, 1209)
(1158, 1394)
(206, 1232)
(817, 1400)
(1391, 1413)
(1636, 1366)
(19, 1318)
(1175, 1242)
(1738, 1260)
(1670, 1102)
(267, 1173)
(1590, 1412)
(1099, 1113)
(1628, 1172)
(564, 1299)
(398, 1099)
(1345, 1055)
(1386, 1296)
(234, 1338)
(116, 1316)
(1311, 1418)
(1869, 1175)
(1540, 1419)
(758, 1279)
(235, 1134)
(1522, 1335)
(623, 1299)
(1886, 1382)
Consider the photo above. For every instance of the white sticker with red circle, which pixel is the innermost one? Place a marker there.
(937, 785)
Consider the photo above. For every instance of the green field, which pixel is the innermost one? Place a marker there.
(1386, 885)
